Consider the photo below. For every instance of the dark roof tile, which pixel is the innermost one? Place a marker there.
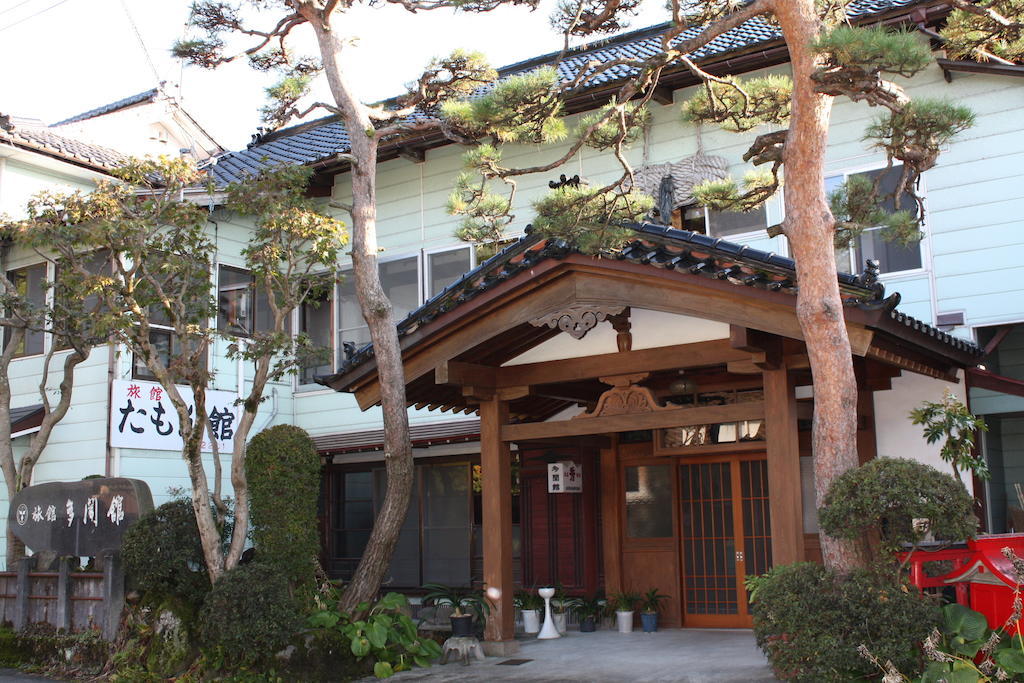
(146, 96)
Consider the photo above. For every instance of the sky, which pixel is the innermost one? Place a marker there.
(59, 58)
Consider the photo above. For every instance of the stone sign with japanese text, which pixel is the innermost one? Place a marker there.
(78, 518)
(141, 416)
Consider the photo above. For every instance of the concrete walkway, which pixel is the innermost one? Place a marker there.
(690, 655)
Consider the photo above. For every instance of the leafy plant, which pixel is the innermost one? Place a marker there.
(283, 469)
(249, 616)
(624, 601)
(463, 601)
(529, 600)
(810, 622)
(386, 635)
(590, 607)
(562, 602)
(650, 601)
(886, 495)
(952, 423)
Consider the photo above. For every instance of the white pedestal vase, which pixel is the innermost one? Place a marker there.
(624, 621)
(548, 630)
(531, 620)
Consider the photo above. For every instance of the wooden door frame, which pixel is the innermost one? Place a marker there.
(742, 619)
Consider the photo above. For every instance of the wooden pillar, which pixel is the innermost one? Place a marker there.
(63, 612)
(785, 496)
(496, 494)
(611, 520)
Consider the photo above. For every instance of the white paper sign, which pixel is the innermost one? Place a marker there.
(142, 416)
(565, 477)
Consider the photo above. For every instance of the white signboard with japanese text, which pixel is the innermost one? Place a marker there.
(142, 416)
(565, 477)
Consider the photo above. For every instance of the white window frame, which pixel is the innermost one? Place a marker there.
(924, 244)
(426, 274)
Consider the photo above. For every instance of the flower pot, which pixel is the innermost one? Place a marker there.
(531, 620)
(649, 621)
(559, 618)
(588, 625)
(624, 621)
(462, 627)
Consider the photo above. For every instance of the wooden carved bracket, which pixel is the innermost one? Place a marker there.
(577, 319)
(625, 397)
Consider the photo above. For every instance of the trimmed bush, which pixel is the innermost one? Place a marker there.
(283, 470)
(163, 556)
(248, 616)
(810, 622)
(885, 495)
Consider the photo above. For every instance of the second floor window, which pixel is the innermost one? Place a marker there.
(871, 244)
(724, 224)
(401, 282)
(30, 284)
(241, 308)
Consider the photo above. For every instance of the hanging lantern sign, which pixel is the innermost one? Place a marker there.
(565, 477)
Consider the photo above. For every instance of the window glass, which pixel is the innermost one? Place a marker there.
(648, 501)
(315, 322)
(404, 570)
(445, 268)
(234, 301)
(447, 524)
(29, 282)
(241, 308)
(870, 244)
(400, 280)
(727, 223)
(353, 519)
(692, 218)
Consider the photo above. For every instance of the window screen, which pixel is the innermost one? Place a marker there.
(400, 280)
(728, 223)
(404, 570)
(446, 524)
(445, 268)
(315, 322)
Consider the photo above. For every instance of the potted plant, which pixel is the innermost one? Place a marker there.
(466, 603)
(560, 605)
(530, 604)
(587, 611)
(624, 604)
(650, 605)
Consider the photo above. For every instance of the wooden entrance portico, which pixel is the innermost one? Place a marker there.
(735, 503)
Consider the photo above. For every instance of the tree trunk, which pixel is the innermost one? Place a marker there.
(809, 229)
(376, 310)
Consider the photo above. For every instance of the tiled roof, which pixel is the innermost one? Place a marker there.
(112, 107)
(322, 139)
(44, 140)
(666, 248)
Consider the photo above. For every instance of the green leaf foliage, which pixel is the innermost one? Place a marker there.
(741, 104)
(857, 206)
(523, 108)
(810, 622)
(589, 219)
(249, 616)
(283, 470)
(725, 194)
(163, 556)
(874, 49)
(970, 36)
(886, 495)
(625, 126)
(917, 132)
(952, 423)
(386, 636)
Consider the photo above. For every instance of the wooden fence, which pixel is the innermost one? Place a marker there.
(74, 601)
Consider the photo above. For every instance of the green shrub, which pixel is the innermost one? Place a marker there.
(248, 616)
(885, 495)
(163, 557)
(44, 646)
(810, 622)
(12, 652)
(283, 470)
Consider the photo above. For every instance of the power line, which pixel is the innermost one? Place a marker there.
(33, 16)
(142, 43)
(14, 7)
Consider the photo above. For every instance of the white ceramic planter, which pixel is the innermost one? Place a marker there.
(531, 620)
(624, 620)
(560, 621)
